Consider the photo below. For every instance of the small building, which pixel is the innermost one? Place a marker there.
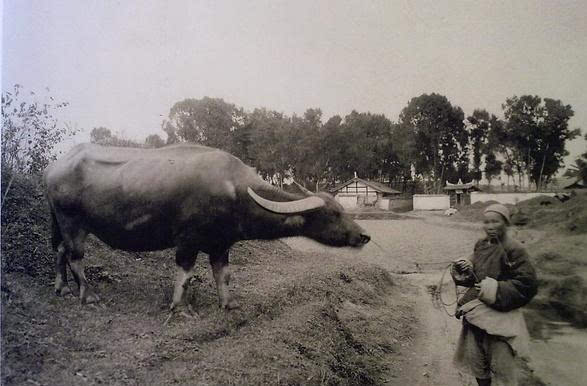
(459, 193)
(357, 192)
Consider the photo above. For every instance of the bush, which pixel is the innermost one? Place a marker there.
(25, 226)
(30, 132)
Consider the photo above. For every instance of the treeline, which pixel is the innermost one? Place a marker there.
(431, 142)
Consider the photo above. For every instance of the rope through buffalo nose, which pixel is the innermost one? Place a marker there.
(380, 247)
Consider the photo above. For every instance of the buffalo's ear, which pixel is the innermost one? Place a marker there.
(296, 221)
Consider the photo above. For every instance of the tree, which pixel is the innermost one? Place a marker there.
(439, 136)
(154, 140)
(269, 151)
(536, 132)
(100, 134)
(579, 169)
(103, 136)
(478, 127)
(404, 153)
(332, 143)
(493, 167)
(30, 131)
(368, 145)
(307, 150)
(208, 121)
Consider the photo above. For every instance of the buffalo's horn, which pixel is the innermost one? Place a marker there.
(303, 189)
(288, 207)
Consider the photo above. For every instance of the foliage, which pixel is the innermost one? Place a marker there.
(370, 150)
(439, 135)
(208, 121)
(155, 141)
(104, 136)
(432, 142)
(30, 131)
(493, 167)
(25, 226)
(579, 169)
(536, 133)
(268, 150)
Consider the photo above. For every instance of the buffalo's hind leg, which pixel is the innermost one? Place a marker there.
(221, 272)
(75, 249)
(61, 287)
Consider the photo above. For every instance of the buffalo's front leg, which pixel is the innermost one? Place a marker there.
(185, 260)
(221, 274)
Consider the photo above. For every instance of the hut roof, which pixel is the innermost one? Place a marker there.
(372, 184)
(460, 186)
(578, 184)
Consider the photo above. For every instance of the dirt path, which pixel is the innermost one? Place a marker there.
(420, 249)
(429, 359)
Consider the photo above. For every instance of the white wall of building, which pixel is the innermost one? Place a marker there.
(431, 201)
(505, 198)
(347, 202)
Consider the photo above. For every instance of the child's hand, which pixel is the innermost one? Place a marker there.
(463, 265)
(487, 290)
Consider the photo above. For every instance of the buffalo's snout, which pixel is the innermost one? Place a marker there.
(359, 239)
(365, 238)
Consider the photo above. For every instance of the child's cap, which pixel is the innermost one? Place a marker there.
(501, 209)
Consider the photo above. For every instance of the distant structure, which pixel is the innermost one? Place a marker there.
(460, 194)
(357, 192)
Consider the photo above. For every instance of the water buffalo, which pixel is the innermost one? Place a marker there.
(191, 197)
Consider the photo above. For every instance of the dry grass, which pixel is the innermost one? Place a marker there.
(304, 319)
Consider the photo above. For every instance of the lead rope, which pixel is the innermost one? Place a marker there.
(437, 294)
(438, 301)
(380, 247)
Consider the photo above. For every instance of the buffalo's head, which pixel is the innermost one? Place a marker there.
(319, 217)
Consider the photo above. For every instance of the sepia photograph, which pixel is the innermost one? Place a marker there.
(270, 192)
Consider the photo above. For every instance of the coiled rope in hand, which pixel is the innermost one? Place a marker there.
(436, 291)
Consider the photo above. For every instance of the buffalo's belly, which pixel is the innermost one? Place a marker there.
(148, 237)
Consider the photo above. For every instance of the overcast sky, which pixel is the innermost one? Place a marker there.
(123, 64)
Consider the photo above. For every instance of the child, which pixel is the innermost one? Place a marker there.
(501, 280)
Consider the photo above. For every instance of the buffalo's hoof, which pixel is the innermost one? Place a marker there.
(63, 291)
(231, 305)
(181, 312)
(89, 298)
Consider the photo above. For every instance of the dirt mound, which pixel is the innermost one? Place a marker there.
(543, 212)
(569, 297)
(305, 319)
(473, 212)
(549, 213)
(553, 263)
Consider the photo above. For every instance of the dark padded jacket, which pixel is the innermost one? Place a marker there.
(509, 264)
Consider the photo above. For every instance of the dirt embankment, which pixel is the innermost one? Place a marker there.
(305, 319)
